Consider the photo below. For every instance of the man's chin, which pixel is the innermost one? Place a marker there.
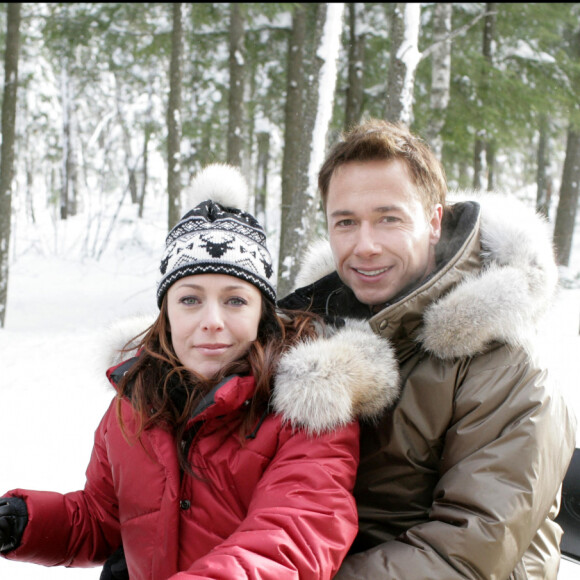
(368, 295)
(371, 297)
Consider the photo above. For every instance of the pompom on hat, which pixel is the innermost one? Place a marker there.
(216, 236)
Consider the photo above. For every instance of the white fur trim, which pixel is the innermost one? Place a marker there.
(221, 183)
(317, 262)
(331, 381)
(320, 384)
(504, 301)
(116, 337)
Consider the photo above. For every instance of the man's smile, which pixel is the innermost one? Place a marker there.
(371, 273)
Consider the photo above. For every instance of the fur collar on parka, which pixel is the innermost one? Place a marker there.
(495, 278)
(345, 374)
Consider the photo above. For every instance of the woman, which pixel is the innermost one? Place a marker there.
(231, 448)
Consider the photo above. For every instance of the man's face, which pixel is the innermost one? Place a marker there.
(380, 237)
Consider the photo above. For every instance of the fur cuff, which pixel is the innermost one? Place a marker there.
(328, 382)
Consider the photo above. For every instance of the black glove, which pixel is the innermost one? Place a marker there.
(13, 520)
(115, 567)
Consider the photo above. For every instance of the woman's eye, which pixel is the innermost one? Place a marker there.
(188, 300)
(236, 301)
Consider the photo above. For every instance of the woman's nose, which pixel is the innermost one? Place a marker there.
(212, 318)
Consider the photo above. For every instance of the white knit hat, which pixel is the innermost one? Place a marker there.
(216, 237)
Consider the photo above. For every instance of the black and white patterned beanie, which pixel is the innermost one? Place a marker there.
(216, 237)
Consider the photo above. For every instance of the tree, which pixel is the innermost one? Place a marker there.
(440, 74)
(117, 54)
(569, 196)
(236, 88)
(570, 186)
(543, 193)
(404, 58)
(292, 129)
(482, 142)
(69, 173)
(321, 42)
(262, 167)
(7, 151)
(356, 60)
(174, 118)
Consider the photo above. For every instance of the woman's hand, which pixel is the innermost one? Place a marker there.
(13, 520)
(115, 567)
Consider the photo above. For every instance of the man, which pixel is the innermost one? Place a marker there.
(461, 479)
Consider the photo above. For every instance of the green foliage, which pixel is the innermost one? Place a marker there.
(531, 74)
(116, 56)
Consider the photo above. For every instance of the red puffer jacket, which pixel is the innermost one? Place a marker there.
(275, 505)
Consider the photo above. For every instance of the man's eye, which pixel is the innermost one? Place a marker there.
(391, 219)
(344, 223)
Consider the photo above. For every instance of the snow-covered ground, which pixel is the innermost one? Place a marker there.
(52, 387)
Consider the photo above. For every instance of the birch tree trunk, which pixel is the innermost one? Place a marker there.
(236, 92)
(356, 57)
(568, 202)
(300, 215)
(174, 118)
(7, 148)
(404, 24)
(483, 138)
(440, 74)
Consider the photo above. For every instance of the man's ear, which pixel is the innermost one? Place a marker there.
(435, 224)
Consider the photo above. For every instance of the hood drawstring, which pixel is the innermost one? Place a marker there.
(253, 434)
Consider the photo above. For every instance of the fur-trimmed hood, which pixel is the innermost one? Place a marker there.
(494, 283)
(321, 383)
(507, 298)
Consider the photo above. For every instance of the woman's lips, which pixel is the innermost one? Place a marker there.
(212, 348)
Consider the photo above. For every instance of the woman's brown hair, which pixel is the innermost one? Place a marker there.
(164, 393)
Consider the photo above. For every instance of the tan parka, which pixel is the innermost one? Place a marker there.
(462, 478)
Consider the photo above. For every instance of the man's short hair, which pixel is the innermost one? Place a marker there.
(376, 139)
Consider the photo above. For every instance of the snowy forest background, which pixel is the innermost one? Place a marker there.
(117, 105)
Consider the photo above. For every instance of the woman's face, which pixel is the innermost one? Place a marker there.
(213, 319)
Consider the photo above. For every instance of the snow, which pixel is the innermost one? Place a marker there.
(52, 350)
(524, 50)
(52, 393)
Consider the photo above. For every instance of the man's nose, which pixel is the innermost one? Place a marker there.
(366, 243)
